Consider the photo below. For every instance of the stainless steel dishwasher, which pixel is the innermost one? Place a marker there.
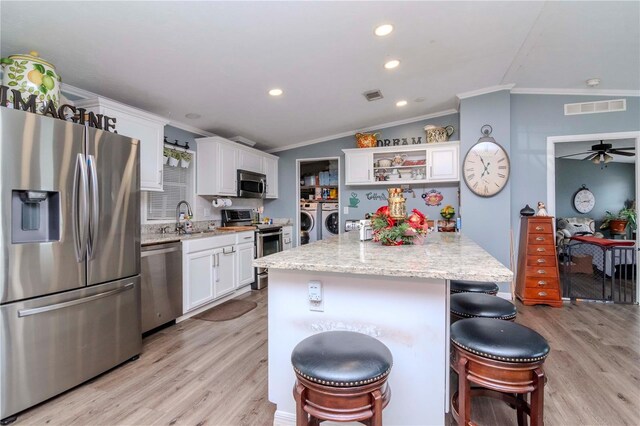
(161, 296)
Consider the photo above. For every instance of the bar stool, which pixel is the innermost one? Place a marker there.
(462, 286)
(341, 376)
(479, 305)
(504, 361)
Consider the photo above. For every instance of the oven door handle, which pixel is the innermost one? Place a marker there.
(269, 234)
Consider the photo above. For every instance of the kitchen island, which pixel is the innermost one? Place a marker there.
(399, 295)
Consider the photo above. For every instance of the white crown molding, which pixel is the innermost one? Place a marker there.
(578, 92)
(367, 129)
(101, 101)
(189, 128)
(76, 91)
(485, 90)
(85, 94)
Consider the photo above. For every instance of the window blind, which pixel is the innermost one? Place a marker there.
(178, 186)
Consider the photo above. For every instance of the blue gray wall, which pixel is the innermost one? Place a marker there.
(611, 186)
(173, 133)
(487, 220)
(536, 117)
(285, 205)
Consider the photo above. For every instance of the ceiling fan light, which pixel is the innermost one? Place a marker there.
(608, 158)
(596, 159)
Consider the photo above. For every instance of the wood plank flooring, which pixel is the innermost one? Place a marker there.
(215, 373)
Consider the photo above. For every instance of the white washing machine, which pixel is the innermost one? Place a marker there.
(310, 221)
(330, 219)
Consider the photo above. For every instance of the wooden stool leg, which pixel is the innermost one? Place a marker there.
(537, 399)
(522, 415)
(313, 421)
(376, 403)
(302, 419)
(464, 393)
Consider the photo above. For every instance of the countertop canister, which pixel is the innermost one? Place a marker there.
(31, 75)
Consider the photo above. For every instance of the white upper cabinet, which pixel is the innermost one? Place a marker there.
(251, 161)
(138, 124)
(443, 163)
(358, 167)
(270, 166)
(219, 160)
(404, 164)
(216, 165)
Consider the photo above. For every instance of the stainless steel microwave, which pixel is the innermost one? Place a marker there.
(251, 184)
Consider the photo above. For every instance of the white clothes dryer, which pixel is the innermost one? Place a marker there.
(330, 219)
(310, 221)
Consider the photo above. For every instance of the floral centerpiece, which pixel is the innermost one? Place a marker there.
(397, 232)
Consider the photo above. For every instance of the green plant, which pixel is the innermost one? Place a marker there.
(186, 156)
(175, 154)
(627, 214)
(166, 152)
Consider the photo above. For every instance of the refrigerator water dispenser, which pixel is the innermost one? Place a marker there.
(35, 216)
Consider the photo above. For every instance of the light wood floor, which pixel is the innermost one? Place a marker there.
(215, 373)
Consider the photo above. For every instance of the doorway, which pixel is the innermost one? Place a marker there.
(589, 176)
(317, 200)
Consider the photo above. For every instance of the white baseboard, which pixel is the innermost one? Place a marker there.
(505, 295)
(282, 418)
(203, 308)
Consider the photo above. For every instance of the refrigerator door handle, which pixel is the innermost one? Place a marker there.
(94, 214)
(80, 214)
(54, 307)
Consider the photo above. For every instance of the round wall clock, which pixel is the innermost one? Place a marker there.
(486, 167)
(584, 201)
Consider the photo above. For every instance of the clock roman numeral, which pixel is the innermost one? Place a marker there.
(501, 160)
(501, 175)
(470, 177)
(502, 167)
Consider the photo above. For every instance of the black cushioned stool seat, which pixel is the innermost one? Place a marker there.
(461, 286)
(479, 305)
(502, 360)
(341, 376)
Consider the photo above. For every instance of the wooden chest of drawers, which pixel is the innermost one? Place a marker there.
(538, 279)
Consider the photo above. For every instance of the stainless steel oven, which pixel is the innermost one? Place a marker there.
(268, 241)
(251, 184)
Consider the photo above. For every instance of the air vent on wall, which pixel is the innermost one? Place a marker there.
(373, 95)
(594, 107)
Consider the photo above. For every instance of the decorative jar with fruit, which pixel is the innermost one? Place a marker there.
(31, 75)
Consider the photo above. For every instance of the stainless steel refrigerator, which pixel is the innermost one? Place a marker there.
(70, 256)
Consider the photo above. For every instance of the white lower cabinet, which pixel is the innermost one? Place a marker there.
(245, 268)
(225, 280)
(215, 267)
(199, 280)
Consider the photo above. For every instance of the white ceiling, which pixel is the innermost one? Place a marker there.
(567, 148)
(219, 59)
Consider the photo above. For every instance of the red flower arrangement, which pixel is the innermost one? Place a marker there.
(392, 232)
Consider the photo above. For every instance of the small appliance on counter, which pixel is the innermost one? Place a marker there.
(365, 229)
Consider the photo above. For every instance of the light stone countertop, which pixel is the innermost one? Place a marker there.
(443, 256)
(149, 239)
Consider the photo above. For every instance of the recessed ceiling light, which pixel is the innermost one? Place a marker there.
(421, 99)
(401, 103)
(392, 64)
(275, 92)
(383, 30)
(193, 116)
(593, 82)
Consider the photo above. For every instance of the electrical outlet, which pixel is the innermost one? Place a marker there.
(316, 302)
(345, 210)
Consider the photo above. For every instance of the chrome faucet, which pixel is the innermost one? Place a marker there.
(179, 226)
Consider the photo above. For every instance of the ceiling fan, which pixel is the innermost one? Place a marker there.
(603, 153)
